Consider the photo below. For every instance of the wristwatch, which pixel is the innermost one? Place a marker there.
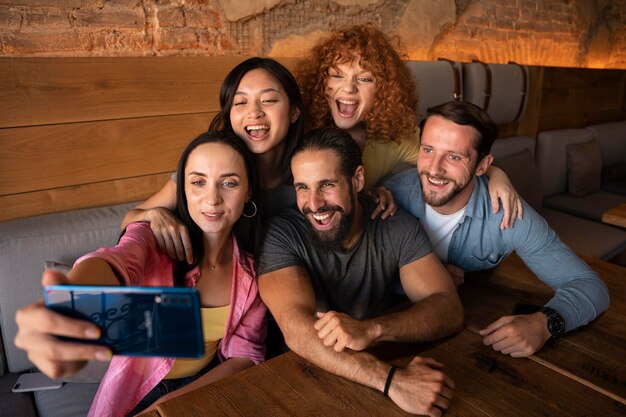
(556, 324)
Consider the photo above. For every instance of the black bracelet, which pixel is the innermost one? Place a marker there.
(388, 383)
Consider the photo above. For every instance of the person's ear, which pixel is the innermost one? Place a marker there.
(484, 165)
(358, 179)
(295, 113)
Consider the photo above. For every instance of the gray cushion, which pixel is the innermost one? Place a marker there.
(24, 246)
(72, 400)
(523, 174)
(590, 207)
(15, 404)
(584, 168)
(612, 138)
(515, 157)
(586, 237)
(550, 157)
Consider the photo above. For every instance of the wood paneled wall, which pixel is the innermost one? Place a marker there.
(578, 97)
(88, 132)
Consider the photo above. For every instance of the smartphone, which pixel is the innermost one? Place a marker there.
(135, 321)
(35, 381)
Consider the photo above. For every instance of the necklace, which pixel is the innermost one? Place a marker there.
(212, 267)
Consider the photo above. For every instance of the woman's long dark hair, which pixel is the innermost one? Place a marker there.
(247, 230)
(289, 84)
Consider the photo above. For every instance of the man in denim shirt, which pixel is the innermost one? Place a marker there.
(448, 193)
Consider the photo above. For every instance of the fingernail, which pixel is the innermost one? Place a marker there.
(103, 355)
(92, 333)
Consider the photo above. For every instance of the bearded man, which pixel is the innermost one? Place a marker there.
(327, 272)
(448, 193)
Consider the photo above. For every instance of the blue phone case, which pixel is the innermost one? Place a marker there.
(136, 321)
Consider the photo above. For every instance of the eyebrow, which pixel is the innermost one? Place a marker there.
(228, 174)
(359, 73)
(266, 90)
(322, 181)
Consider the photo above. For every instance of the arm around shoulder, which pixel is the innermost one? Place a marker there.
(171, 235)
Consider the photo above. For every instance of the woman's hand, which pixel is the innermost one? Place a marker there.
(171, 235)
(500, 188)
(386, 204)
(38, 328)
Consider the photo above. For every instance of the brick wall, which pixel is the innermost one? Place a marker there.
(571, 33)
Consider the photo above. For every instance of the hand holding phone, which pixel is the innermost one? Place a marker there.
(135, 321)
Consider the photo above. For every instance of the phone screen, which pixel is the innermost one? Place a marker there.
(138, 321)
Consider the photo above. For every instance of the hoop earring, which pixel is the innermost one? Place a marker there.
(250, 215)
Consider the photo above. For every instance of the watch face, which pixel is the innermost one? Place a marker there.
(556, 324)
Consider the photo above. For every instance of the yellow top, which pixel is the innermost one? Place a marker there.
(213, 328)
(380, 158)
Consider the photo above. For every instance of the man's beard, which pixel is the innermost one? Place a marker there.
(331, 239)
(437, 199)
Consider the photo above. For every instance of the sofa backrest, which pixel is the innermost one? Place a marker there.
(500, 89)
(551, 157)
(515, 156)
(612, 138)
(437, 82)
(25, 244)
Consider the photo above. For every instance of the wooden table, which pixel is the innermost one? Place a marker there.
(583, 373)
(616, 216)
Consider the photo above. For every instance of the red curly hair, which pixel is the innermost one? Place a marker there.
(394, 113)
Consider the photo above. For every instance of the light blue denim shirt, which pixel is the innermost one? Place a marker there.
(478, 243)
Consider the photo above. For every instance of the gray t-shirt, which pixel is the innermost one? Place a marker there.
(356, 281)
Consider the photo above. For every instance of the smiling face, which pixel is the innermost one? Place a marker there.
(351, 92)
(448, 163)
(216, 187)
(325, 196)
(261, 113)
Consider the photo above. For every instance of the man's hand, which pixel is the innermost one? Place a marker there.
(518, 336)
(422, 388)
(342, 331)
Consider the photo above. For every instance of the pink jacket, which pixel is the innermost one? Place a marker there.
(138, 261)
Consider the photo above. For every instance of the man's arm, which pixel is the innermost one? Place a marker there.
(419, 388)
(436, 312)
(580, 293)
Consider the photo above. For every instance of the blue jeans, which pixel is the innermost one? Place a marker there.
(168, 385)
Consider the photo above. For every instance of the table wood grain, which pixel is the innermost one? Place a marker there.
(616, 216)
(487, 384)
(595, 353)
(582, 374)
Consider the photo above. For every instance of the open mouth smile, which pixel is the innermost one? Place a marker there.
(347, 108)
(257, 131)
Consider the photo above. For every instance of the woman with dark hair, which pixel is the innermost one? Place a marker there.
(261, 103)
(217, 189)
